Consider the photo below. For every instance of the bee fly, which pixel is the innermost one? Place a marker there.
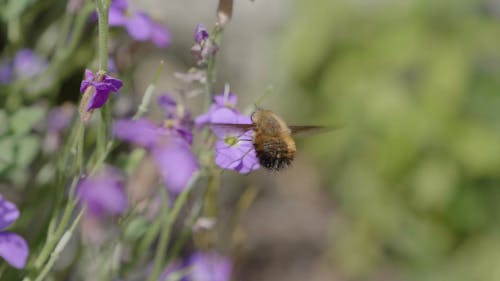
(272, 138)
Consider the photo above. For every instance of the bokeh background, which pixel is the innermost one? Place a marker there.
(407, 189)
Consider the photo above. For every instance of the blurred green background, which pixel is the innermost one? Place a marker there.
(414, 172)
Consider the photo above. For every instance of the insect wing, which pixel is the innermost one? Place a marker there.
(223, 129)
(310, 129)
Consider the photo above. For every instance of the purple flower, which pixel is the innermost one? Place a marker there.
(169, 144)
(200, 34)
(209, 266)
(205, 47)
(234, 148)
(5, 73)
(222, 101)
(138, 24)
(60, 117)
(103, 194)
(13, 248)
(101, 89)
(57, 120)
(25, 64)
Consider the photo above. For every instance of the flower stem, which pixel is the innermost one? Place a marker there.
(167, 228)
(102, 17)
(59, 247)
(53, 237)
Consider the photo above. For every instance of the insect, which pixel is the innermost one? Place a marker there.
(272, 138)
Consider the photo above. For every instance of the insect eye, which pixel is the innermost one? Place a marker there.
(252, 117)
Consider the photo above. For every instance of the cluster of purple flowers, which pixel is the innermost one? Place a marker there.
(138, 24)
(169, 142)
(205, 47)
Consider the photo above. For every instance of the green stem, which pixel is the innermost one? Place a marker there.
(102, 17)
(59, 247)
(167, 228)
(52, 238)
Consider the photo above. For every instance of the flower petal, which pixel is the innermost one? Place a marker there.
(8, 213)
(228, 101)
(225, 115)
(116, 16)
(240, 156)
(103, 193)
(98, 99)
(87, 81)
(113, 84)
(200, 33)
(139, 26)
(160, 35)
(6, 74)
(168, 104)
(14, 249)
(141, 131)
(119, 4)
(27, 64)
(210, 266)
(176, 164)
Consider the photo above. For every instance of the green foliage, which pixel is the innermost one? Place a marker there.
(416, 168)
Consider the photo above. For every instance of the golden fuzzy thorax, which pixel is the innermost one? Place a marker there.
(273, 143)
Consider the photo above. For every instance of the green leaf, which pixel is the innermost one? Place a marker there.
(27, 148)
(15, 9)
(7, 148)
(25, 118)
(136, 228)
(3, 122)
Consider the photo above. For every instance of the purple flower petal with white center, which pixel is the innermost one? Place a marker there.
(142, 132)
(139, 26)
(234, 150)
(176, 163)
(236, 153)
(160, 35)
(14, 249)
(210, 266)
(200, 33)
(8, 213)
(103, 194)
